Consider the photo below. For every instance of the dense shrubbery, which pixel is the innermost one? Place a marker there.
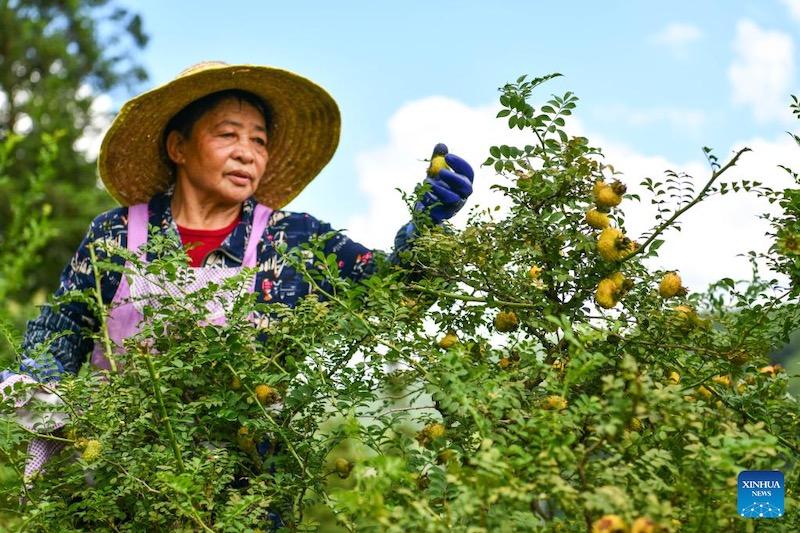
(538, 377)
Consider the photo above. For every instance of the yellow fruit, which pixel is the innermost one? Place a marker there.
(437, 160)
(236, 383)
(409, 303)
(610, 523)
(613, 245)
(597, 220)
(644, 525)
(725, 381)
(606, 197)
(505, 362)
(437, 164)
(342, 467)
(92, 450)
(535, 272)
(704, 392)
(445, 456)
(771, 370)
(506, 321)
(554, 403)
(686, 315)
(598, 186)
(244, 440)
(449, 340)
(265, 394)
(671, 286)
(688, 318)
(607, 294)
(430, 433)
(674, 378)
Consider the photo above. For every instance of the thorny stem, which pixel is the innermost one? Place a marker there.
(400, 410)
(465, 298)
(47, 436)
(697, 199)
(164, 416)
(98, 293)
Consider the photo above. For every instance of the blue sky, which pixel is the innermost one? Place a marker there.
(657, 81)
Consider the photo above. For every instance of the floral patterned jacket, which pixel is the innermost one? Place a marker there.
(276, 281)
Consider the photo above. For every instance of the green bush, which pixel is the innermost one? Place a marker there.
(537, 377)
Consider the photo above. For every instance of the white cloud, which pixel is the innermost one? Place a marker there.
(678, 38)
(414, 129)
(793, 6)
(713, 233)
(718, 231)
(762, 71)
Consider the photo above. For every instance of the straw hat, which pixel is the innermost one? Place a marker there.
(303, 131)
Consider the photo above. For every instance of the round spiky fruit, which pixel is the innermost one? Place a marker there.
(92, 450)
(597, 219)
(506, 321)
(437, 160)
(343, 467)
(265, 394)
(671, 285)
(607, 293)
(244, 440)
(607, 196)
(448, 341)
(610, 523)
(554, 402)
(429, 433)
(644, 525)
(613, 245)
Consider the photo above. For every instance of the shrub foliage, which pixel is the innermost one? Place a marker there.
(531, 373)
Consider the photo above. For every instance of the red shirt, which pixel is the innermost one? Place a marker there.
(203, 241)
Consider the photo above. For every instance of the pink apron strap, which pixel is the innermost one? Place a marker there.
(260, 220)
(137, 226)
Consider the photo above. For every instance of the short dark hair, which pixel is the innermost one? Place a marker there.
(185, 119)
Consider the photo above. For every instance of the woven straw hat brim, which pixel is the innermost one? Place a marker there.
(304, 129)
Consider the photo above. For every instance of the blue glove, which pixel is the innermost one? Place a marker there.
(41, 371)
(450, 185)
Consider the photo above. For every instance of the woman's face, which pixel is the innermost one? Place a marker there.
(223, 160)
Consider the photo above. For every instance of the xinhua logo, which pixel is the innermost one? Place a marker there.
(761, 494)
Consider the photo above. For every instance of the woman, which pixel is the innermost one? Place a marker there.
(209, 159)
